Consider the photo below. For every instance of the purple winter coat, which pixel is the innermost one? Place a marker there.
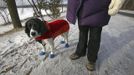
(92, 13)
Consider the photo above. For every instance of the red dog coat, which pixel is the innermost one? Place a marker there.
(55, 28)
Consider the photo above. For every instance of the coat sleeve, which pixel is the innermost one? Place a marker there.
(72, 9)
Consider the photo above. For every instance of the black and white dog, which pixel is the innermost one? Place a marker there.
(45, 33)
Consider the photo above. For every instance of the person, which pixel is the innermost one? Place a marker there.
(92, 15)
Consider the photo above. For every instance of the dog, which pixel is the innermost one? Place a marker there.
(45, 33)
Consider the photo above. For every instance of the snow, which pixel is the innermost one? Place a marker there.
(4, 29)
(20, 56)
(25, 13)
(25, 2)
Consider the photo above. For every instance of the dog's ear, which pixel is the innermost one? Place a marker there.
(27, 30)
(43, 27)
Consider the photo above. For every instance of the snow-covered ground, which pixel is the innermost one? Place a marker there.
(23, 14)
(19, 56)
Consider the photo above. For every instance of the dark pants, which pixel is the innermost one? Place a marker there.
(89, 41)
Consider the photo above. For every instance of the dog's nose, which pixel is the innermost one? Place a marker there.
(33, 33)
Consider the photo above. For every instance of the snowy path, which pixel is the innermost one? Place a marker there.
(20, 57)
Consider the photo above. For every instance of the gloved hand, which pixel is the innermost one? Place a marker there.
(114, 6)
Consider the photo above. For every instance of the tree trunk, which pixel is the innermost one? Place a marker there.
(14, 13)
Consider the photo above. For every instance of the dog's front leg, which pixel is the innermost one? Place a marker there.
(43, 51)
(51, 44)
(65, 36)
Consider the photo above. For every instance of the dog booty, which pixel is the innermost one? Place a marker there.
(66, 45)
(62, 42)
(51, 56)
(42, 53)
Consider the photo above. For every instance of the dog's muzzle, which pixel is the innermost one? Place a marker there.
(33, 33)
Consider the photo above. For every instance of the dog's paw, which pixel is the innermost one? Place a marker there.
(62, 42)
(42, 53)
(51, 56)
(66, 45)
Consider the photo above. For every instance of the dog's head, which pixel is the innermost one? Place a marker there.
(35, 27)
